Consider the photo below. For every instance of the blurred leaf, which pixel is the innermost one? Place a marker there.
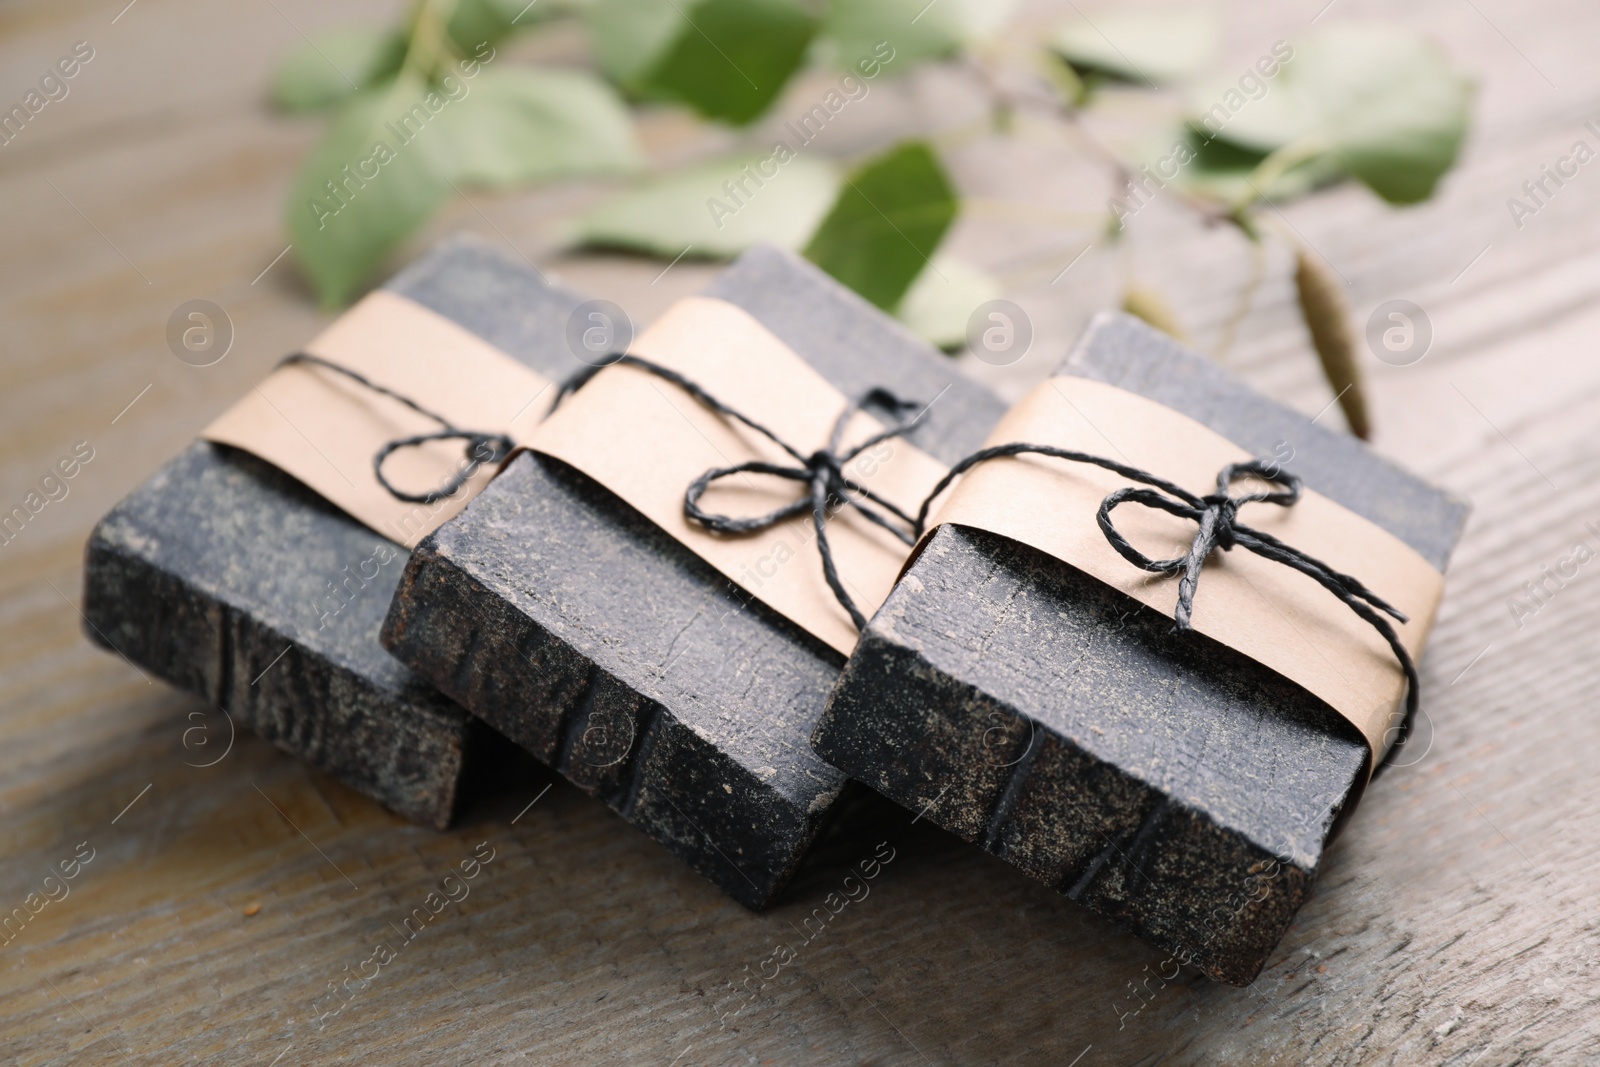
(1383, 102)
(695, 209)
(476, 22)
(1387, 103)
(736, 57)
(1142, 47)
(1260, 115)
(889, 218)
(1327, 314)
(943, 298)
(370, 182)
(912, 30)
(727, 59)
(518, 125)
(1073, 89)
(631, 36)
(332, 65)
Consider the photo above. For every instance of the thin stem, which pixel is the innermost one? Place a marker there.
(1241, 307)
(1278, 163)
(429, 46)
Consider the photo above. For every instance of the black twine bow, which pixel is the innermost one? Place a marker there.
(481, 447)
(1217, 518)
(828, 488)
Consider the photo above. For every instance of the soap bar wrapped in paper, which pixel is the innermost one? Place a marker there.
(255, 568)
(1025, 685)
(675, 673)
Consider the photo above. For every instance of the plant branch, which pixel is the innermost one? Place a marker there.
(428, 46)
(1241, 307)
(1271, 169)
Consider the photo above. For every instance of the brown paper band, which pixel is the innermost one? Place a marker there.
(325, 429)
(1271, 613)
(646, 440)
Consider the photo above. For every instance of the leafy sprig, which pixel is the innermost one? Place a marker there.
(432, 107)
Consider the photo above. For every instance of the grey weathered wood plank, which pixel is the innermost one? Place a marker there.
(582, 631)
(1157, 778)
(1451, 923)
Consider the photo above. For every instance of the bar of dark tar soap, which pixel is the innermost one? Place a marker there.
(579, 629)
(1160, 779)
(230, 579)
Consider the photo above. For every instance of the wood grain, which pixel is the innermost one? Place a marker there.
(1452, 923)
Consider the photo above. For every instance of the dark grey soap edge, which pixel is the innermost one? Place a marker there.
(1427, 518)
(417, 769)
(931, 752)
(466, 647)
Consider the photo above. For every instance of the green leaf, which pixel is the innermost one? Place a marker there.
(889, 218)
(944, 296)
(1388, 105)
(1142, 47)
(1260, 113)
(696, 209)
(332, 65)
(735, 57)
(476, 22)
(516, 125)
(343, 221)
(1383, 103)
(728, 59)
(908, 31)
(1067, 81)
(630, 37)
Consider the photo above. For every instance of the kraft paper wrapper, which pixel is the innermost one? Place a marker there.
(324, 429)
(646, 440)
(1271, 613)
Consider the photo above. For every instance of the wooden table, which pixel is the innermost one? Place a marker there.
(1454, 923)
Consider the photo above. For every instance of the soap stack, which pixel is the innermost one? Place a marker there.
(542, 593)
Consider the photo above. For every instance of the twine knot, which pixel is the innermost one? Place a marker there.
(1216, 519)
(829, 488)
(480, 448)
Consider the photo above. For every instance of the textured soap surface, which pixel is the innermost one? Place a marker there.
(1160, 779)
(582, 631)
(219, 575)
